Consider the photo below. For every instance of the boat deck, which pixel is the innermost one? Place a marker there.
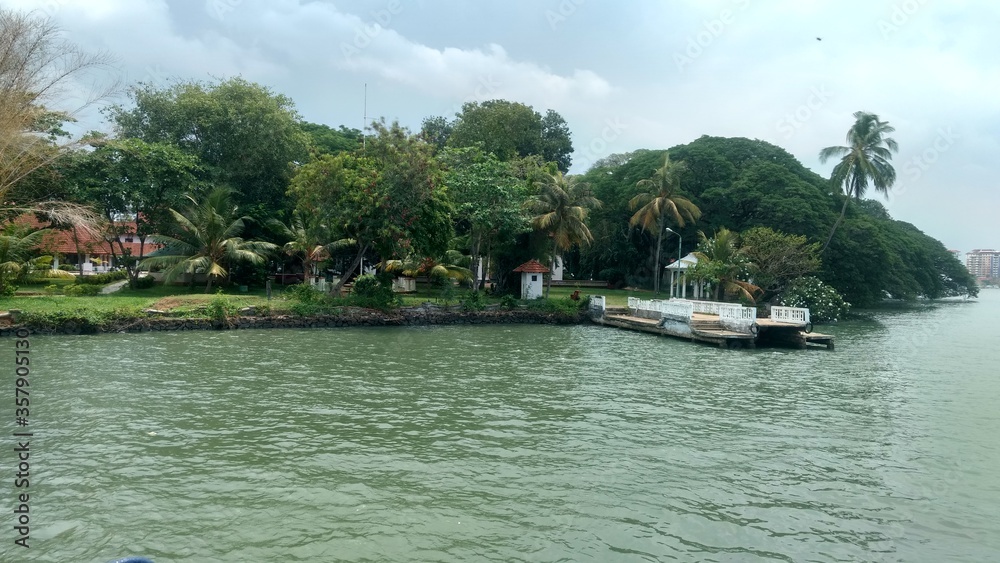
(707, 328)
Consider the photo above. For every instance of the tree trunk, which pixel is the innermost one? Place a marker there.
(476, 260)
(843, 210)
(656, 266)
(350, 270)
(208, 287)
(548, 284)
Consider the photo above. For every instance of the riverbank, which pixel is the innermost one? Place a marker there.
(345, 317)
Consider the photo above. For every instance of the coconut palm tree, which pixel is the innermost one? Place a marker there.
(721, 263)
(306, 240)
(452, 265)
(206, 239)
(560, 209)
(16, 261)
(660, 203)
(864, 161)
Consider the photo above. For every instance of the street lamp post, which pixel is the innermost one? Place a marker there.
(673, 291)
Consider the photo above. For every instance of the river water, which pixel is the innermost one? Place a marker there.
(518, 443)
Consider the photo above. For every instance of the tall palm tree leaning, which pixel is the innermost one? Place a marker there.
(660, 203)
(864, 160)
(561, 210)
(206, 239)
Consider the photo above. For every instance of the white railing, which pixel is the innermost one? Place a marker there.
(678, 310)
(707, 307)
(790, 315)
(598, 304)
(658, 308)
(737, 318)
(737, 313)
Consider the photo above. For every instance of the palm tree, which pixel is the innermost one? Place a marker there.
(722, 264)
(660, 203)
(206, 240)
(306, 241)
(16, 261)
(451, 266)
(561, 210)
(864, 160)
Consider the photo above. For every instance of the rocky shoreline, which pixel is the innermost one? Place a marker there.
(349, 317)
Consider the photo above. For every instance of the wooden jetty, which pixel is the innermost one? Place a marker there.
(727, 325)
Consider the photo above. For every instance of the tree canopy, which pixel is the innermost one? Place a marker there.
(508, 130)
(245, 135)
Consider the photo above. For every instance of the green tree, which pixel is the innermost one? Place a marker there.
(660, 203)
(246, 136)
(309, 240)
(436, 131)
(390, 198)
(488, 197)
(776, 259)
(560, 209)
(509, 130)
(327, 140)
(864, 161)
(19, 260)
(206, 239)
(724, 266)
(134, 184)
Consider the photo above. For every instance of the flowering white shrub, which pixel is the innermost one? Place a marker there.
(823, 302)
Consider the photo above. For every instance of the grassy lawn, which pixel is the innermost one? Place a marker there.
(180, 299)
(190, 301)
(615, 297)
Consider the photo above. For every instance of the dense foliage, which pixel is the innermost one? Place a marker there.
(468, 199)
(740, 184)
(823, 302)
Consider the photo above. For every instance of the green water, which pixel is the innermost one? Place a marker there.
(517, 443)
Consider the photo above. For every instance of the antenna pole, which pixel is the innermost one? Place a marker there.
(364, 127)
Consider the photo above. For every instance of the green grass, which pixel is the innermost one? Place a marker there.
(615, 297)
(192, 301)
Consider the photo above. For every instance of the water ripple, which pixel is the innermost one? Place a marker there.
(520, 443)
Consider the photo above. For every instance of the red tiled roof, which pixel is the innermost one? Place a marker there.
(80, 240)
(532, 267)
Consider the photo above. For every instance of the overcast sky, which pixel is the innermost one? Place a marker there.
(625, 75)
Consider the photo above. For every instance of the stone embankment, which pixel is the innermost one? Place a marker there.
(347, 317)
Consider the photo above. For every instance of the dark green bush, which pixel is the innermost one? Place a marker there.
(508, 301)
(304, 293)
(77, 289)
(474, 301)
(375, 291)
(565, 306)
(144, 283)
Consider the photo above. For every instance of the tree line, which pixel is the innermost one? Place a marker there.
(229, 181)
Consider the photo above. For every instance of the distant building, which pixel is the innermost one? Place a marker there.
(89, 251)
(532, 273)
(983, 263)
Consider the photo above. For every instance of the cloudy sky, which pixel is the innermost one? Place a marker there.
(625, 75)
